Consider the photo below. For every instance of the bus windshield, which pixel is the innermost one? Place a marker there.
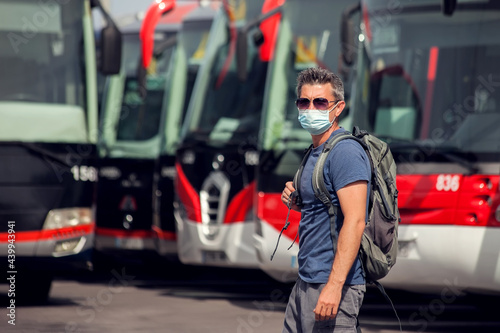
(301, 46)
(316, 44)
(140, 115)
(432, 79)
(231, 108)
(191, 49)
(41, 58)
(193, 39)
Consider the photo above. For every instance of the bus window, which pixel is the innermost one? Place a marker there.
(395, 107)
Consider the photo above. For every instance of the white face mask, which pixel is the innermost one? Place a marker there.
(316, 121)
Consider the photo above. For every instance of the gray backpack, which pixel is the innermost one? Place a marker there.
(379, 244)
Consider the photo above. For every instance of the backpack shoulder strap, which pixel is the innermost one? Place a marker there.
(319, 187)
(318, 182)
(298, 176)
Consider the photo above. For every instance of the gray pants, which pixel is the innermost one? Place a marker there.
(299, 315)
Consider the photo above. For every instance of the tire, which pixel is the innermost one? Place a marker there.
(33, 287)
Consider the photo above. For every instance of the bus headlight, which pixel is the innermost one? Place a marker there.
(67, 217)
(67, 245)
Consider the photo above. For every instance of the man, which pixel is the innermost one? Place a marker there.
(330, 289)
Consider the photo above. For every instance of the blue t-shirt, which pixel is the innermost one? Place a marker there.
(346, 163)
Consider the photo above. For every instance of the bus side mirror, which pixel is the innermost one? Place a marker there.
(448, 7)
(241, 55)
(348, 34)
(110, 44)
(258, 39)
(111, 50)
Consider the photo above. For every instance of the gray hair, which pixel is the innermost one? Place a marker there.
(316, 75)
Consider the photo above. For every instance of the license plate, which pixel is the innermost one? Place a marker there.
(214, 256)
(130, 243)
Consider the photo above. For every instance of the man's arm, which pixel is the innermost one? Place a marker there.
(352, 199)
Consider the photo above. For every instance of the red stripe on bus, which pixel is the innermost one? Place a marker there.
(54, 234)
(188, 195)
(366, 20)
(433, 59)
(241, 204)
(269, 28)
(165, 235)
(272, 211)
(429, 95)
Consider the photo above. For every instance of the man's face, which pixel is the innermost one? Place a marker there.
(325, 101)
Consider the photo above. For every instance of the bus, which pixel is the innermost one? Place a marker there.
(188, 54)
(217, 152)
(282, 140)
(429, 84)
(48, 137)
(134, 106)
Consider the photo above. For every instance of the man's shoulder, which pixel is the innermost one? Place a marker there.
(348, 146)
(348, 153)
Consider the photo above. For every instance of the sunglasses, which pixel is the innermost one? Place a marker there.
(319, 103)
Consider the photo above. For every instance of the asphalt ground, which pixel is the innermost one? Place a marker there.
(165, 296)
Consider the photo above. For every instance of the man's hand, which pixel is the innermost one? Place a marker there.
(328, 302)
(287, 198)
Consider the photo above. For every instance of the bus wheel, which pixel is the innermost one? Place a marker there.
(33, 288)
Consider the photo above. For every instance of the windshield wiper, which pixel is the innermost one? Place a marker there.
(195, 139)
(45, 153)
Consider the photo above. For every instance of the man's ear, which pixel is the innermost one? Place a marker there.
(339, 108)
